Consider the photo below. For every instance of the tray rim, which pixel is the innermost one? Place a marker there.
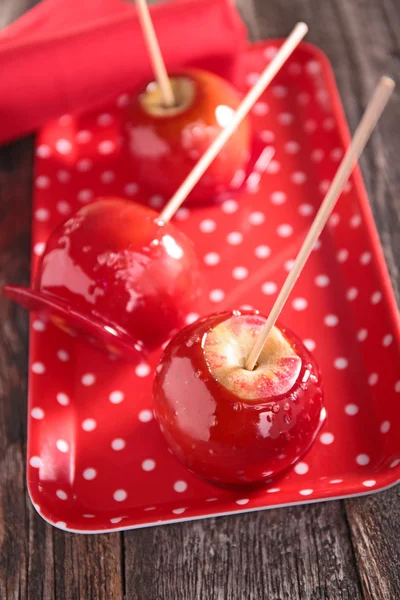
(383, 275)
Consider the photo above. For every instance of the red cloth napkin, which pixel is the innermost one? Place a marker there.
(64, 55)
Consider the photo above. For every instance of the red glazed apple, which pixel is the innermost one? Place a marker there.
(166, 143)
(229, 425)
(116, 273)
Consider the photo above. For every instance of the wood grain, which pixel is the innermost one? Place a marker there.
(332, 551)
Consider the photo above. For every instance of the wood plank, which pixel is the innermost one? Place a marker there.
(291, 554)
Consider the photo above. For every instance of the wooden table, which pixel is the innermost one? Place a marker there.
(334, 550)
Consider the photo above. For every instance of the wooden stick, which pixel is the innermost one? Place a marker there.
(361, 136)
(156, 58)
(249, 100)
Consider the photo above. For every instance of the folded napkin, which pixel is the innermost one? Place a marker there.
(67, 55)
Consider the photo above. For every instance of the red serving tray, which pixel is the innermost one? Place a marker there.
(96, 459)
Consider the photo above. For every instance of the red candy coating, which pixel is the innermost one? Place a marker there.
(215, 422)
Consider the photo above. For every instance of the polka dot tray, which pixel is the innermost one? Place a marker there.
(96, 458)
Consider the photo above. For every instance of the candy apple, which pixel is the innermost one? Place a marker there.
(229, 425)
(118, 274)
(166, 143)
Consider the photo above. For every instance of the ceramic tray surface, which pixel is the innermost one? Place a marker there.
(96, 459)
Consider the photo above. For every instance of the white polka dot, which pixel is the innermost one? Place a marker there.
(39, 248)
(298, 177)
(279, 91)
(270, 52)
(116, 397)
(85, 196)
(285, 118)
(63, 355)
(89, 474)
(180, 486)
(42, 182)
(352, 293)
(131, 189)
(65, 120)
(191, 318)
(278, 198)
(87, 516)
(336, 154)
(273, 490)
(240, 273)
(362, 459)
(246, 307)
(252, 78)
(385, 426)
(63, 176)
(328, 124)
(35, 462)
(341, 363)
(42, 215)
(120, 495)
(256, 218)
(301, 468)
(387, 340)
(39, 325)
(106, 147)
(61, 494)
(373, 379)
(104, 120)
(305, 210)
(178, 511)
(395, 463)
(267, 136)
(216, 295)
(397, 386)
(292, 147)
(355, 221)
(89, 424)
(84, 165)
(260, 109)
(63, 207)
(242, 501)
(342, 255)
(324, 185)
(369, 483)
(118, 444)
(83, 137)
(63, 399)
(365, 258)
(362, 335)
(310, 126)
(208, 226)
(229, 207)
(331, 320)
(284, 230)
(156, 201)
(309, 344)
(143, 370)
(123, 100)
(148, 465)
(299, 304)
(327, 438)
(212, 258)
(38, 368)
(182, 214)
(234, 238)
(37, 413)
(62, 446)
(116, 520)
(317, 245)
(376, 297)
(43, 151)
(306, 492)
(269, 287)
(63, 146)
(322, 280)
(294, 68)
(317, 155)
(262, 251)
(351, 409)
(336, 481)
(145, 416)
(88, 379)
(334, 220)
(288, 264)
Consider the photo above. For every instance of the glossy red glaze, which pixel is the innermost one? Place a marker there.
(222, 437)
(164, 149)
(115, 272)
